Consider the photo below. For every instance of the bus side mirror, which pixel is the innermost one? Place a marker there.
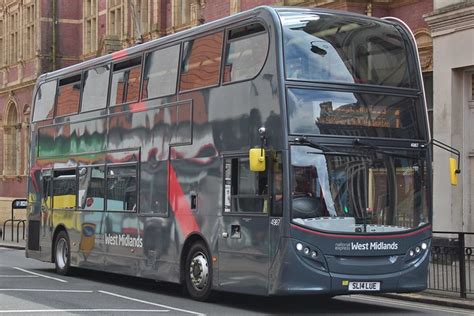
(453, 171)
(454, 165)
(257, 159)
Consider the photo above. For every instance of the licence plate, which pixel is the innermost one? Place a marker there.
(364, 286)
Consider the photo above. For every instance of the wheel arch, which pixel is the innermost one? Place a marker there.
(191, 240)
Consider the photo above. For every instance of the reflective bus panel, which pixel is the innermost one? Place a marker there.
(140, 160)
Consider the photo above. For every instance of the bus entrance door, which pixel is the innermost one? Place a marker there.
(244, 236)
(243, 254)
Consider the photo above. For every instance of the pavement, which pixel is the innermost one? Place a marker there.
(6, 237)
(427, 296)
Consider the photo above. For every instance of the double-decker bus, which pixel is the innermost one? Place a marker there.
(276, 151)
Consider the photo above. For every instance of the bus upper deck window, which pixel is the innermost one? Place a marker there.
(69, 93)
(201, 62)
(126, 81)
(160, 73)
(96, 81)
(44, 101)
(246, 51)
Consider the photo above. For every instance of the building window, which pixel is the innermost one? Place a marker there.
(2, 33)
(234, 6)
(13, 23)
(140, 17)
(428, 83)
(12, 142)
(115, 24)
(29, 21)
(90, 26)
(472, 87)
(181, 12)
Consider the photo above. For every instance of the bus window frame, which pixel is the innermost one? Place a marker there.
(267, 196)
(34, 120)
(47, 175)
(226, 41)
(53, 170)
(111, 76)
(147, 52)
(58, 85)
(105, 187)
(137, 186)
(192, 38)
(108, 87)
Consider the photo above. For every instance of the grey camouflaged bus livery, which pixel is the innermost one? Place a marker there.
(139, 160)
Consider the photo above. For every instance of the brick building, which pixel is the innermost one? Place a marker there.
(29, 45)
(37, 36)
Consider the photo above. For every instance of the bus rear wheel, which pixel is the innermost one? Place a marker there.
(62, 254)
(198, 272)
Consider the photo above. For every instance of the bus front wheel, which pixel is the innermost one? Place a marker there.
(198, 272)
(62, 254)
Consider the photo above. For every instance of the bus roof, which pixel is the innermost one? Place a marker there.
(184, 34)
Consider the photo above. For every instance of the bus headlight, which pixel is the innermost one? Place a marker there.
(416, 252)
(310, 254)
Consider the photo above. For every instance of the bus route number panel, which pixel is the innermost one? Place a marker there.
(364, 286)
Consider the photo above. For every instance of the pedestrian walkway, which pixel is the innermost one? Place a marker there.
(429, 297)
(6, 237)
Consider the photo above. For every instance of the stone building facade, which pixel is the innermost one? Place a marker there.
(452, 26)
(37, 36)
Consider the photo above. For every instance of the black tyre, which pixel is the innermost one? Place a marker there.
(198, 272)
(62, 254)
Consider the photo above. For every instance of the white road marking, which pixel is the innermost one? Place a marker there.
(151, 303)
(46, 290)
(19, 276)
(89, 310)
(40, 275)
(398, 303)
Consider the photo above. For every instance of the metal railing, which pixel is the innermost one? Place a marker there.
(451, 266)
(16, 204)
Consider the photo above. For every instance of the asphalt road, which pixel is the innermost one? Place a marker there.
(30, 287)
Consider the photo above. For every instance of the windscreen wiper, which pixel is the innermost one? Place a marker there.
(303, 140)
(326, 150)
(358, 143)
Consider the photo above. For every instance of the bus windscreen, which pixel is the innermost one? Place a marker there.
(345, 49)
(357, 191)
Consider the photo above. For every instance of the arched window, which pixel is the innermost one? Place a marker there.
(11, 148)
